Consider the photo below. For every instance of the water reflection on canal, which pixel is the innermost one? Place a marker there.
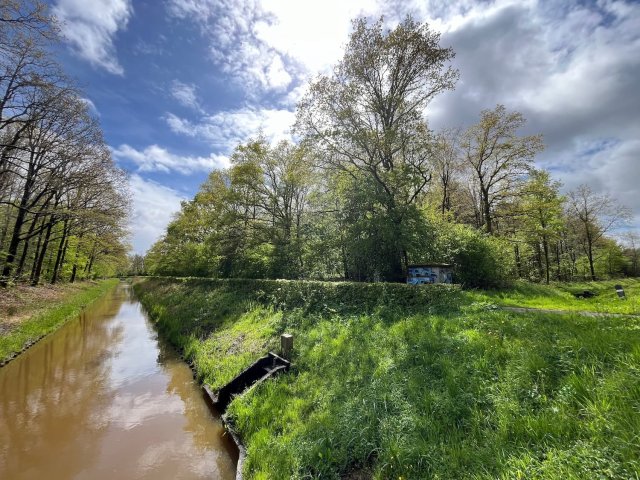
(104, 398)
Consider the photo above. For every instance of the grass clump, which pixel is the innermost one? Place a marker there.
(40, 320)
(399, 392)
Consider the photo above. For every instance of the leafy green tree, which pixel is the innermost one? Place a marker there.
(543, 208)
(595, 214)
(366, 119)
(447, 165)
(498, 158)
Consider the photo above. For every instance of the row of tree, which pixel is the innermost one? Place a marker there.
(370, 188)
(63, 202)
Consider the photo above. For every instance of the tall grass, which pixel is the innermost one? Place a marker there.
(560, 296)
(448, 391)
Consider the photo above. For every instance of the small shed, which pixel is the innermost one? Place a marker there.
(430, 273)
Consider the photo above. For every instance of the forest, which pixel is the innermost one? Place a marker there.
(63, 202)
(367, 188)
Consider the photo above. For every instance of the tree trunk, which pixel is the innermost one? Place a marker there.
(590, 255)
(62, 246)
(17, 227)
(445, 200)
(26, 248)
(539, 261)
(545, 249)
(488, 221)
(75, 261)
(35, 277)
(91, 259)
(13, 244)
(36, 254)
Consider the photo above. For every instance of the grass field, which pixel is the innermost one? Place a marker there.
(560, 296)
(28, 313)
(458, 390)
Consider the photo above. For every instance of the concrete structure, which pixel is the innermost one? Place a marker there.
(430, 273)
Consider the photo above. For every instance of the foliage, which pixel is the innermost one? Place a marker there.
(479, 260)
(370, 189)
(460, 392)
(595, 214)
(498, 158)
(366, 121)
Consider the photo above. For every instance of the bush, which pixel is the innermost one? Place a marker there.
(479, 260)
(333, 297)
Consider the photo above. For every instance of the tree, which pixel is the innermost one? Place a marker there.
(446, 166)
(632, 251)
(542, 214)
(498, 158)
(596, 214)
(366, 118)
(275, 182)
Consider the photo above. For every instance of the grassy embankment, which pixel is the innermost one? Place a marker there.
(384, 388)
(560, 296)
(28, 313)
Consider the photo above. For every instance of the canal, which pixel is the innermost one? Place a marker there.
(105, 398)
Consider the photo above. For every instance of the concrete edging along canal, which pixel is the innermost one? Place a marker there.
(230, 428)
(253, 375)
(226, 421)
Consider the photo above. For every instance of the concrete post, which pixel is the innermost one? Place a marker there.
(286, 345)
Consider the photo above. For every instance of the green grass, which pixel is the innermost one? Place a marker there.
(453, 391)
(47, 319)
(559, 296)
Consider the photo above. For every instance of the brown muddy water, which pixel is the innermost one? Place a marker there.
(104, 398)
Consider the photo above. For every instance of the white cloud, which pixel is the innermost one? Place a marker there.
(153, 207)
(572, 68)
(90, 27)
(608, 166)
(225, 130)
(157, 159)
(185, 94)
(268, 45)
(311, 32)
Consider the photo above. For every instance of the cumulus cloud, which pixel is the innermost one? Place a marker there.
(225, 130)
(570, 67)
(90, 27)
(271, 45)
(157, 159)
(153, 207)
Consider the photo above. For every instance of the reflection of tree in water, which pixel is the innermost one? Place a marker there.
(53, 395)
(206, 430)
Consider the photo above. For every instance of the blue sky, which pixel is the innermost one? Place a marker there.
(178, 83)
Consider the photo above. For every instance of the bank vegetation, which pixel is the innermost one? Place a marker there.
(386, 384)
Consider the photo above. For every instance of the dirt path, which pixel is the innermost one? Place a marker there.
(566, 312)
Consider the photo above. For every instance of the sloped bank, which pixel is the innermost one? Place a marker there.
(394, 381)
(39, 322)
